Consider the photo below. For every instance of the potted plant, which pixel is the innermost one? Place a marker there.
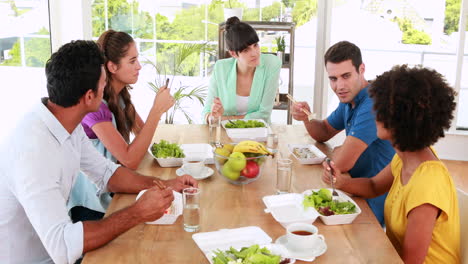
(182, 92)
(231, 8)
(281, 46)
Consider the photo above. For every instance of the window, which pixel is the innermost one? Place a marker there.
(403, 32)
(162, 28)
(24, 49)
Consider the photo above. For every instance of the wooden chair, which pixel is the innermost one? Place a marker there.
(463, 205)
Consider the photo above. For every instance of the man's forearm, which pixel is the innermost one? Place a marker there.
(317, 130)
(125, 180)
(99, 233)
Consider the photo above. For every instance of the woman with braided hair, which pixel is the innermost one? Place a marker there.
(413, 107)
(109, 128)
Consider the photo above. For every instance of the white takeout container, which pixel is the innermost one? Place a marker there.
(316, 160)
(341, 219)
(204, 151)
(240, 134)
(237, 238)
(287, 209)
(176, 209)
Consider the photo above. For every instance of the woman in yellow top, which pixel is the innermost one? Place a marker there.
(413, 106)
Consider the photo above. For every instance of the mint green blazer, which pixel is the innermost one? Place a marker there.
(262, 93)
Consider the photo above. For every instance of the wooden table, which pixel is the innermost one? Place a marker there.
(225, 205)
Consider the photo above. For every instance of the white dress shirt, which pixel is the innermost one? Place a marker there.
(38, 166)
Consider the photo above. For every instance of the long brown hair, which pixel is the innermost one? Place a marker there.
(115, 45)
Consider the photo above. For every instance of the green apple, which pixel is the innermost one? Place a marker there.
(237, 161)
(223, 152)
(229, 173)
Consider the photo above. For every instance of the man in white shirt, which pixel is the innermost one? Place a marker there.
(41, 159)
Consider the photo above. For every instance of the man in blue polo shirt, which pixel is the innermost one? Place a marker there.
(362, 154)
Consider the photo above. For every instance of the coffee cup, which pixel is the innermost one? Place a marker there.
(301, 236)
(193, 166)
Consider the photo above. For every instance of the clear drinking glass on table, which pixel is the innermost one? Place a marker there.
(214, 124)
(283, 175)
(191, 197)
(272, 141)
(277, 131)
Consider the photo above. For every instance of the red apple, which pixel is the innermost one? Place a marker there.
(251, 169)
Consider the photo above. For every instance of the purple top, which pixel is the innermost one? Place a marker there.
(102, 115)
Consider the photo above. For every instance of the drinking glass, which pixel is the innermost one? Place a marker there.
(214, 124)
(283, 175)
(191, 197)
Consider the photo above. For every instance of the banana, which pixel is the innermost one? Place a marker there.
(252, 147)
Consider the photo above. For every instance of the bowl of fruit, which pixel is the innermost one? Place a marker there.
(241, 163)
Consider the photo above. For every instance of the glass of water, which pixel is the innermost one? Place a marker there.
(283, 175)
(272, 141)
(214, 124)
(191, 198)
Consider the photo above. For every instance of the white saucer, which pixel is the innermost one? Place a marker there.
(207, 172)
(306, 255)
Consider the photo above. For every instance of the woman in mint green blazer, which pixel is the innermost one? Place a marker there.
(244, 86)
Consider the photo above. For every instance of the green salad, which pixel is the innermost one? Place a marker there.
(323, 202)
(247, 255)
(164, 149)
(244, 124)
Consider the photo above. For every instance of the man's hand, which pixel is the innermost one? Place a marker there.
(297, 112)
(182, 182)
(153, 203)
(217, 108)
(339, 179)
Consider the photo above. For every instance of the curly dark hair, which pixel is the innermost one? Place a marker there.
(343, 51)
(73, 70)
(414, 104)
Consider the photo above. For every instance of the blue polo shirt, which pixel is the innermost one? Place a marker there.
(359, 122)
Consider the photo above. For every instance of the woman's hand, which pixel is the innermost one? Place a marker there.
(339, 179)
(163, 100)
(180, 183)
(217, 109)
(297, 112)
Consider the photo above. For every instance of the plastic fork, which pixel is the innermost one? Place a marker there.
(334, 193)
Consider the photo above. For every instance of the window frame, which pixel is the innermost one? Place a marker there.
(449, 147)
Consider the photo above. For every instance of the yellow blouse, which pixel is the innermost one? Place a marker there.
(430, 183)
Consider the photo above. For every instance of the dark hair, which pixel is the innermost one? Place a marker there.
(239, 35)
(343, 51)
(115, 46)
(73, 70)
(414, 104)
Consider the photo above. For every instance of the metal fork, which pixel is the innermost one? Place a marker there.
(334, 193)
